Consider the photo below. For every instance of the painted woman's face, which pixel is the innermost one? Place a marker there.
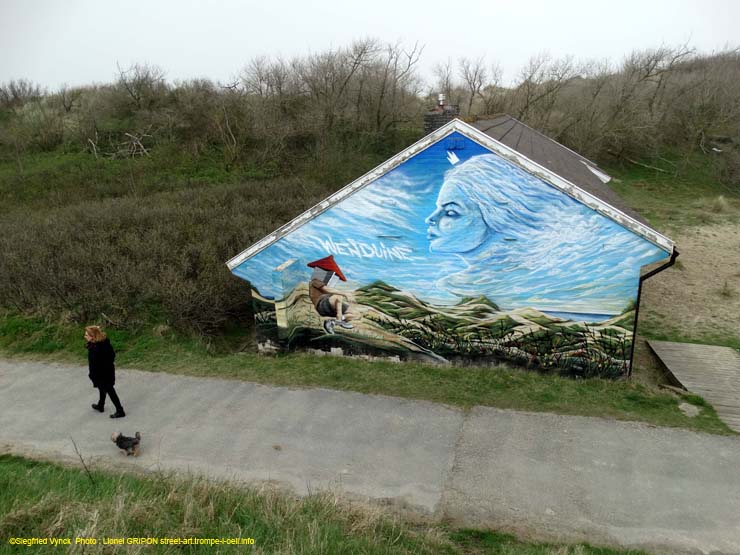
(457, 224)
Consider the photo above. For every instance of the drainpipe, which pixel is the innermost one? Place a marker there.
(650, 274)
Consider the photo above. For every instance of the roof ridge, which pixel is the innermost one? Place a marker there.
(543, 135)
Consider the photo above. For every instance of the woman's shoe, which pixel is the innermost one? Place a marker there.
(118, 414)
(97, 407)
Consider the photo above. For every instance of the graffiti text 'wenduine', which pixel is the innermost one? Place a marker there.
(350, 247)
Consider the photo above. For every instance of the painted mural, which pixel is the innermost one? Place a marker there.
(456, 253)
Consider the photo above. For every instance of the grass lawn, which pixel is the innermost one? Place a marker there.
(156, 349)
(39, 499)
(686, 195)
(48, 180)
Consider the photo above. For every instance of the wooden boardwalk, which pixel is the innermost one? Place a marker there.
(709, 371)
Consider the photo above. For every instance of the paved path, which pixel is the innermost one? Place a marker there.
(548, 476)
(710, 371)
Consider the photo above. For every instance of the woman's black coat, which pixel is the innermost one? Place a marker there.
(100, 357)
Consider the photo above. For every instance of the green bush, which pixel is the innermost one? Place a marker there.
(126, 259)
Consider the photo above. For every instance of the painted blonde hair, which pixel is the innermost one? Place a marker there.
(96, 334)
(511, 201)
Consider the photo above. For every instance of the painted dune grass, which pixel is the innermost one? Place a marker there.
(391, 322)
(39, 499)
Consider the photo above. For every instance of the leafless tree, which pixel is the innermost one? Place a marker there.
(704, 100)
(493, 96)
(68, 96)
(392, 82)
(667, 96)
(635, 105)
(473, 74)
(444, 75)
(581, 106)
(15, 93)
(327, 77)
(255, 78)
(540, 83)
(142, 82)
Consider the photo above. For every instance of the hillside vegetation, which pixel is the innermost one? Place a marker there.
(120, 202)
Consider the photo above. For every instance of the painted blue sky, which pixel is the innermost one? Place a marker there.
(539, 247)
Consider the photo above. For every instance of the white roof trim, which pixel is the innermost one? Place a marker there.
(603, 177)
(481, 138)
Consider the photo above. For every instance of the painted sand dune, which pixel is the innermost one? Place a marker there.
(394, 322)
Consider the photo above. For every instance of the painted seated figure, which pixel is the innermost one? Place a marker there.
(330, 303)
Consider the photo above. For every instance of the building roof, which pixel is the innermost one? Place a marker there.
(557, 158)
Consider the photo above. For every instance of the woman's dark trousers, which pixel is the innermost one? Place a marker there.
(113, 397)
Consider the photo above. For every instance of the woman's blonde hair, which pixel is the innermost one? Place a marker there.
(96, 334)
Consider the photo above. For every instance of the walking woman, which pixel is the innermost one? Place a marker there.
(100, 357)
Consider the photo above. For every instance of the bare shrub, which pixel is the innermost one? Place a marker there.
(720, 204)
(143, 83)
(16, 93)
(68, 97)
(133, 257)
(39, 125)
(194, 108)
(727, 165)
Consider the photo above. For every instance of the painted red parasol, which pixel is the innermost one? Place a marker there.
(327, 263)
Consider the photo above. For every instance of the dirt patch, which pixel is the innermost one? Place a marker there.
(699, 297)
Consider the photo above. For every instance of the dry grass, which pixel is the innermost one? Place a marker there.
(720, 204)
(48, 500)
(699, 301)
(726, 291)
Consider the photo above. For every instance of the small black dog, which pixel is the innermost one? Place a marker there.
(125, 443)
